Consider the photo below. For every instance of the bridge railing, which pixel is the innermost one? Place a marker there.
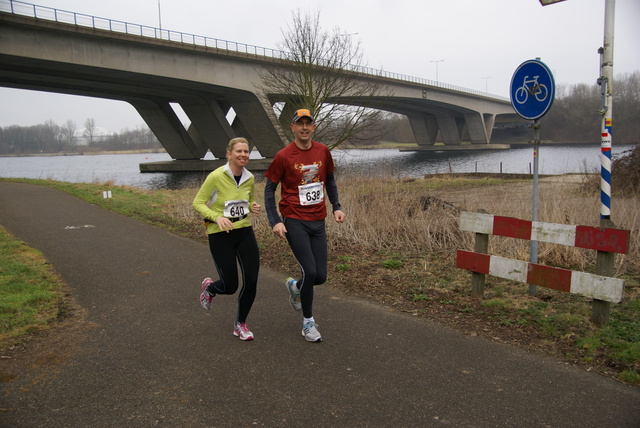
(67, 17)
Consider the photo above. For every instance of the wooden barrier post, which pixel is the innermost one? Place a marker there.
(604, 267)
(481, 245)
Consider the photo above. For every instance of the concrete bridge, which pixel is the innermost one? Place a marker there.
(57, 51)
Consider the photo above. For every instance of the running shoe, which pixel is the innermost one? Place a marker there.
(310, 332)
(241, 330)
(294, 298)
(205, 297)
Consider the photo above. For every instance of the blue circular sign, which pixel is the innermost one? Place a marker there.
(532, 89)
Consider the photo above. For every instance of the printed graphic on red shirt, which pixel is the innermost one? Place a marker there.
(309, 172)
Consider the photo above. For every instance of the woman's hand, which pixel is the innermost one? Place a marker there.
(255, 208)
(224, 224)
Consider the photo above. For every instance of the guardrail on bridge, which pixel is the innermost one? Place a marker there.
(63, 16)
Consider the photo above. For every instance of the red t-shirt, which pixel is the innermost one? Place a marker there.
(293, 168)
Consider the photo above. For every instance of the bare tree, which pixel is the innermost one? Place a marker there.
(89, 129)
(67, 132)
(51, 137)
(321, 74)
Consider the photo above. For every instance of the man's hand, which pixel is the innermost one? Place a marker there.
(339, 216)
(280, 230)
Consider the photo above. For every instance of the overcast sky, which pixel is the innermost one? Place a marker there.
(474, 44)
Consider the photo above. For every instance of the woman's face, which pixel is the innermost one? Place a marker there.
(239, 154)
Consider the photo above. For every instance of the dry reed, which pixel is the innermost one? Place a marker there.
(389, 213)
(417, 217)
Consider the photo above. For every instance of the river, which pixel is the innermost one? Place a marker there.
(123, 169)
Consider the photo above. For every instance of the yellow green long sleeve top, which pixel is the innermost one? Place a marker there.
(220, 187)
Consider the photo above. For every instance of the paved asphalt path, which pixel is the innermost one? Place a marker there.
(146, 354)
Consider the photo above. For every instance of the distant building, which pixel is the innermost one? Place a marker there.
(82, 137)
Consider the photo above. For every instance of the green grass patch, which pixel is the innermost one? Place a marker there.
(495, 303)
(392, 264)
(343, 267)
(31, 296)
(630, 376)
(421, 298)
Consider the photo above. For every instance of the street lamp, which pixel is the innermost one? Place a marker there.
(437, 61)
(486, 83)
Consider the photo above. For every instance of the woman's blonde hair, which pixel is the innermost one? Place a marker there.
(235, 141)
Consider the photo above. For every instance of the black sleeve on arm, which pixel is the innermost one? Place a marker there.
(270, 203)
(332, 192)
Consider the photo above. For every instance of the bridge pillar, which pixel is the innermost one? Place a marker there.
(479, 127)
(449, 128)
(166, 126)
(256, 120)
(209, 125)
(285, 118)
(425, 128)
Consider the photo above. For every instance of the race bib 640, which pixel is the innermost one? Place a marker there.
(237, 208)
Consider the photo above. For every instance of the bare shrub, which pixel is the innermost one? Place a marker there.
(625, 172)
(386, 213)
(625, 175)
(390, 214)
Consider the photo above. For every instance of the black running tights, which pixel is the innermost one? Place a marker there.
(308, 241)
(226, 248)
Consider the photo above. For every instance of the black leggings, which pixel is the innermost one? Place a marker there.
(226, 248)
(308, 241)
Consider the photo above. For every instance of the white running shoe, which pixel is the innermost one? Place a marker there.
(294, 298)
(205, 297)
(310, 332)
(242, 331)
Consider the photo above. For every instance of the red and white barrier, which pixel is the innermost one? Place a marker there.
(594, 238)
(602, 239)
(586, 284)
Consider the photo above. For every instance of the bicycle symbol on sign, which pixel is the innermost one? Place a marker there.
(531, 86)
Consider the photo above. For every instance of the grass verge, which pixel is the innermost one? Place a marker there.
(31, 295)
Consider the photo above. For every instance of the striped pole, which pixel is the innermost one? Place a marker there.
(606, 83)
(605, 170)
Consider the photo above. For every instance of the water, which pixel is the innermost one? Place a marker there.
(123, 169)
(557, 159)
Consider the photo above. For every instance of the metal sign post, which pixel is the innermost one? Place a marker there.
(606, 83)
(532, 93)
(604, 260)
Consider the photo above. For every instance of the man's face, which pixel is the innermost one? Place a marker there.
(303, 129)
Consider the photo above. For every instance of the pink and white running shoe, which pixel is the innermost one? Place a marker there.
(205, 297)
(241, 331)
